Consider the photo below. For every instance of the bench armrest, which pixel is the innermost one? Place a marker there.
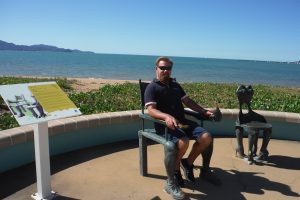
(148, 117)
(195, 114)
(216, 117)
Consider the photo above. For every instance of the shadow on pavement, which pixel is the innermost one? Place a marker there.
(284, 162)
(234, 183)
(16, 179)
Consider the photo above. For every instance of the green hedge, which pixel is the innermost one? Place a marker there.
(126, 96)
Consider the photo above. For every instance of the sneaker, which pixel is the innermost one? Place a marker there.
(188, 170)
(262, 157)
(240, 154)
(174, 190)
(178, 178)
(210, 177)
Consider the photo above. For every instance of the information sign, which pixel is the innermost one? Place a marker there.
(33, 103)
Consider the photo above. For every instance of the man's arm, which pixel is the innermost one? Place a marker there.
(195, 107)
(155, 113)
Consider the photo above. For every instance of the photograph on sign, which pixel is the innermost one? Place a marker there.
(37, 102)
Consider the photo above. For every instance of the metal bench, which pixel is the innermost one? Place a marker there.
(170, 149)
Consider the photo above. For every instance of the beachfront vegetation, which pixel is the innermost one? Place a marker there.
(120, 97)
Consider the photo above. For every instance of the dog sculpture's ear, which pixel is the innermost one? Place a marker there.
(240, 90)
(250, 90)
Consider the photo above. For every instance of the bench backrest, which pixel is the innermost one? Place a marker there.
(143, 86)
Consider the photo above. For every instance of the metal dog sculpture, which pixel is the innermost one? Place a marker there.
(251, 122)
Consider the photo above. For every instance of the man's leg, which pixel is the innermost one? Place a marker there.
(199, 146)
(206, 172)
(182, 146)
(202, 142)
(204, 146)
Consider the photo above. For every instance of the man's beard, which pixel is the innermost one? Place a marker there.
(165, 78)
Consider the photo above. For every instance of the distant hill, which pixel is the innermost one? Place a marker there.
(296, 62)
(40, 47)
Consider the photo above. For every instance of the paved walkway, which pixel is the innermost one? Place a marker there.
(111, 172)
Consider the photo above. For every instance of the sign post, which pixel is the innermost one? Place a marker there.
(37, 103)
(41, 146)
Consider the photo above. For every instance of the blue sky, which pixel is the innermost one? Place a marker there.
(237, 29)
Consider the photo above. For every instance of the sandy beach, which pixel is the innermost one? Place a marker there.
(85, 84)
(89, 84)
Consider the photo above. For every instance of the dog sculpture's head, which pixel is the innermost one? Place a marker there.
(245, 94)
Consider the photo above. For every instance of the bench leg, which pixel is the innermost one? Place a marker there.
(239, 139)
(170, 157)
(266, 139)
(255, 141)
(251, 140)
(143, 155)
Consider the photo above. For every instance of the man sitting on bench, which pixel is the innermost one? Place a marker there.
(163, 100)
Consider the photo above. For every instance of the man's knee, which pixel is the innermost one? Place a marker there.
(183, 143)
(205, 138)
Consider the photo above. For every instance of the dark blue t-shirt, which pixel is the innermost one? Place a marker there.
(166, 97)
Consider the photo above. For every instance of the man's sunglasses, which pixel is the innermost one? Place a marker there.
(165, 68)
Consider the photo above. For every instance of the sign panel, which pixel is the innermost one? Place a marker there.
(33, 103)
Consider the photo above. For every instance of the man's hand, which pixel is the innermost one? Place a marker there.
(214, 115)
(171, 122)
(208, 113)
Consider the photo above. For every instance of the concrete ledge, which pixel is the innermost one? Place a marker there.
(75, 133)
(269, 115)
(24, 134)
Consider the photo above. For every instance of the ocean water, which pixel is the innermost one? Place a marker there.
(133, 67)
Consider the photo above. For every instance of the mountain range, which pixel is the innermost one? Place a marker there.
(42, 47)
(39, 47)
